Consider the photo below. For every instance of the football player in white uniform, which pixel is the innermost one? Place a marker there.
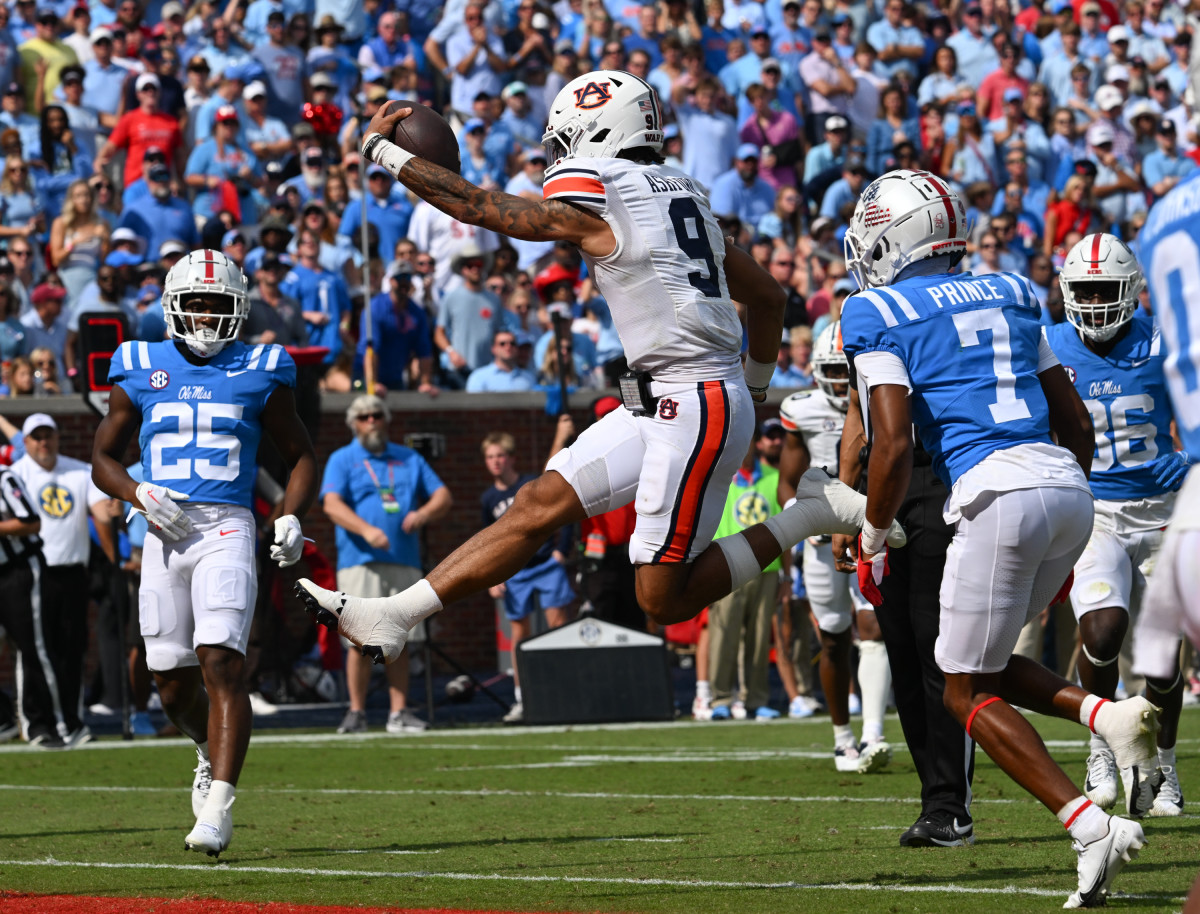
(814, 421)
(202, 401)
(1116, 361)
(656, 253)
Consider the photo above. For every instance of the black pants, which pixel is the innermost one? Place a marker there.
(21, 606)
(943, 755)
(64, 614)
(110, 590)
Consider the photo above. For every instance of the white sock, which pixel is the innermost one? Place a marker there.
(875, 681)
(1092, 707)
(517, 694)
(703, 690)
(1166, 757)
(220, 798)
(202, 751)
(843, 736)
(415, 604)
(1084, 820)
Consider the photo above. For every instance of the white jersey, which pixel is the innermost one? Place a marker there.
(811, 415)
(63, 497)
(665, 280)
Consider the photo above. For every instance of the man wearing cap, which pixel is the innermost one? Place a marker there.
(823, 164)
(228, 93)
(104, 80)
(976, 54)
(519, 116)
(527, 183)
(219, 162)
(744, 72)
(390, 214)
(221, 52)
(85, 122)
(830, 83)
(285, 71)
(274, 234)
(1165, 167)
(790, 40)
(1115, 180)
(45, 324)
(390, 47)
(274, 317)
(1176, 72)
(900, 46)
(844, 189)
(141, 128)
(1111, 100)
(267, 137)
(502, 374)
(467, 319)
(401, 334)
(15, 116)
(45, 47)
(1093, 38)
(741, 190)
(159, 215)
(62, 491)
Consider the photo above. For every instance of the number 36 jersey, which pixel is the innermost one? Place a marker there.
(201, 423)
(665, 280)
(1126, 394)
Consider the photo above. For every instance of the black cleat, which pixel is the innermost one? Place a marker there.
(375, 652)
(322, 615)
(938, 829)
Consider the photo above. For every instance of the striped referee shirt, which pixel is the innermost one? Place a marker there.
(15, 505)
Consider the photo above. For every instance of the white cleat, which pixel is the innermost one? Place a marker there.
(201, 784)
(365, 622)
(847, 757)
(844, 509)
(212, 833)
(874, 756)
(1100, 784)
(1168, 795)
(1100, 861)
(1130, 728)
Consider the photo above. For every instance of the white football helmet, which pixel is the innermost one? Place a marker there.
(902, 218)
(1100, 266)
(205, 274)
(830, 369)
(601, 113)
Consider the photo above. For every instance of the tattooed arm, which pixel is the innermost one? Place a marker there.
(516, 217)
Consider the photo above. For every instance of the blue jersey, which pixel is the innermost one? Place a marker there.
(1169, 252)
(201, 423)
(1126, 394)
(970, 345)
(320, 290)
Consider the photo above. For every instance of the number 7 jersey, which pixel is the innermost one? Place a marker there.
(665, 280)
(201, 424)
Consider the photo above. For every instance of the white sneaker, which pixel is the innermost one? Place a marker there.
(844, 509)
(1168, 796)
(201, 784)
(211, 834)
(701, 709)
(1100, 861)
(405, 721)
(1139, 790)
(1130, 728)
(1100, 784)
(515, 714)
(260, 706)
(365, 622)
(847, 758)
(738, 710)
(799, 708)
(874, 756)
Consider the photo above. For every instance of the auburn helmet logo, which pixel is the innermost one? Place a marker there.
(593, 95)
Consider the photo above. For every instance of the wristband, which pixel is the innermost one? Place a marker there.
(758, 374)
(874, 539)
(369, 143)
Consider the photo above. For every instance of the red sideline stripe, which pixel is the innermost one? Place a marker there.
(1075, 814)
(1096, 250)
(19, 903)
(979, 707)
(572, 185)
(1095, 711)
(691, 493)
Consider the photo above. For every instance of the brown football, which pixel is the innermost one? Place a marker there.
(425, 133)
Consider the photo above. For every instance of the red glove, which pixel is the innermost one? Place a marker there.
(870, 573)
(1064, 592)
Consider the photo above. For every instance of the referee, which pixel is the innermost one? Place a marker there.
(21, 573)
(942, 752)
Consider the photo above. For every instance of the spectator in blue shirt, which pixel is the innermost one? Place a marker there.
(710, 136)
(390, 214)
(322, 296)
(502, 374)
(401, 336)
(1165, 167)
(379, 495)
(798, 371)
(845, 189)
(741, 191)
(899, 46)
(218, 160)
(159, 216)
(646, 37)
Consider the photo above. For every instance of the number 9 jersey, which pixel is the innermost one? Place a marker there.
(665, 280)
(201, 423)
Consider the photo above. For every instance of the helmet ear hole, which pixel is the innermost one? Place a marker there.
(877, 253)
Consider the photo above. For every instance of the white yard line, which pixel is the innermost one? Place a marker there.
(322, 872)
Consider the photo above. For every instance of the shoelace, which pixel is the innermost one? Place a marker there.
(1170, 789)
(204, 775)
(1101, 767)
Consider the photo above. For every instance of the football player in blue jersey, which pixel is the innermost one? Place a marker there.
(1116, 363)
(202, 401)
(964, 358)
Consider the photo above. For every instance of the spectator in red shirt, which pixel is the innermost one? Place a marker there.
(991, 90)
(142, 128)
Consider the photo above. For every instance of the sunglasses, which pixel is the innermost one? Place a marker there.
(424, 262)
(506, 342)
(369, 417)
(988, 247)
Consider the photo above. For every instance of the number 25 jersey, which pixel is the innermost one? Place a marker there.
(665, 280)
(971, 346)
(201, 423)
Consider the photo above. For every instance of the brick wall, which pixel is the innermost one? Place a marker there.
(467, 630)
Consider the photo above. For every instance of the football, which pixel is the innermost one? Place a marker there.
(425, 133)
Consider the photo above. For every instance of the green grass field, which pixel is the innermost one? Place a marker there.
(729, 817)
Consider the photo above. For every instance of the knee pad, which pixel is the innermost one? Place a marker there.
(1100, 664)
(162, 657)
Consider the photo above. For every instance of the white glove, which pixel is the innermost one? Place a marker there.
(289, 541)
(160, 510)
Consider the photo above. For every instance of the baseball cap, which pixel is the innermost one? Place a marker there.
(1116, 73)
(34, 421)
(1059, 5)
(1166, 125)
(302, 130)
(256, 89)
(71, 74)
(855, 164)
(47, 15)
(226, 113)
(534, 154)
(1109, 97)
(670, 131)
(474, 123)
(514, 88)
(837, 122)
(168, 248)
(972, 9)
(771, 428)
(1013, 94)
(747, 151)
(820, 224)
(772, 63)
(759, 30)
(1090, 7)
(172, 8)
(231, 236)
(154, 154)
(1116, 33)
(160, 173)
(373, 170)
(1100, 132)
(100, 33)
(845, 284)
(46, 292)
(822, 34)
(322, 80)
(313, 157)
(564, 46)
(272, 261)
(316, 204)
(126, 234)
(147, 79)
(1084, 167)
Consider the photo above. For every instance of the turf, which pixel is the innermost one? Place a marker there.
(729, 817)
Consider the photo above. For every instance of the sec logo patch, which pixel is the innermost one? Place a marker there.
(1070, 373)
(56, 500)
(159, 379)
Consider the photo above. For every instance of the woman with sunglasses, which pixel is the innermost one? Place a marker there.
(22, 208)
(79, 239)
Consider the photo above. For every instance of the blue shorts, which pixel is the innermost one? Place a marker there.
(547, 582)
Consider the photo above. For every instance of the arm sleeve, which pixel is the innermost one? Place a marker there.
(880, 367)
(1046, 356)
(575, 184)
